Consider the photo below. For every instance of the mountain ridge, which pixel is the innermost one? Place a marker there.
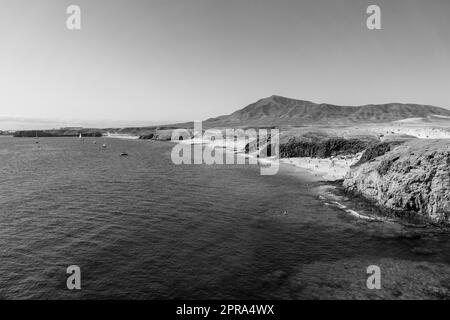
(278, 110)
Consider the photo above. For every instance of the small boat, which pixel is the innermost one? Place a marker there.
(104, 146)
(123, 154)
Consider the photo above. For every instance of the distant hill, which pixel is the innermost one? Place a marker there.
(276, 110)
(279, 111)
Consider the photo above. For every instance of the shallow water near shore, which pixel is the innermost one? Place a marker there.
(141, 227)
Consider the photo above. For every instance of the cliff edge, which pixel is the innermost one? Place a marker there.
(411, 178)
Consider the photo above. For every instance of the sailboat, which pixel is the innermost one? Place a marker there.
(80, 136)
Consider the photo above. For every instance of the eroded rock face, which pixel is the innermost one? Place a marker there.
(321, 148)
(412, 178)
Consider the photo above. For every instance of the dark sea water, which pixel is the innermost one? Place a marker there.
(141, 227)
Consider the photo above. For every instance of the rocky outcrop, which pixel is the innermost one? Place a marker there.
(166, 134)
(322, 148)
(147, 136)
(377, 150)
(412, 178)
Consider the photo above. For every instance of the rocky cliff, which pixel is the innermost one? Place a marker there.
(412, 179)
(321, 148)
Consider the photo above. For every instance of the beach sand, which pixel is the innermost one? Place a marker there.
(336, 168)
(328, 169)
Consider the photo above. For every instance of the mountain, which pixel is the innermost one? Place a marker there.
(277, 110)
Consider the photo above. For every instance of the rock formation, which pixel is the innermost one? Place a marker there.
(321, 148)
(412, 178)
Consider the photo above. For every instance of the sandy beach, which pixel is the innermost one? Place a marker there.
(121, 136)
(329, 169)
(335, 168)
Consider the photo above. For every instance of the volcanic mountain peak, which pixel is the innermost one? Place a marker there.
(278, 110)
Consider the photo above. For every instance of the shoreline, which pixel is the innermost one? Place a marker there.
(320, 169)
(329, 169)
(373, 177)
(120, 136)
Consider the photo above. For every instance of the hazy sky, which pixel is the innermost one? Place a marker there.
(192, 59)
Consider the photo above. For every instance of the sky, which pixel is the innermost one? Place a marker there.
(167, 61)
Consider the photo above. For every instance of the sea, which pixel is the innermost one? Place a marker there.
(142, 227)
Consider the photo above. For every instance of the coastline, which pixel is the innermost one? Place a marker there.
(368, 178)
(420, 188)
(328, 169)
(120, 136)
(318, 169)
